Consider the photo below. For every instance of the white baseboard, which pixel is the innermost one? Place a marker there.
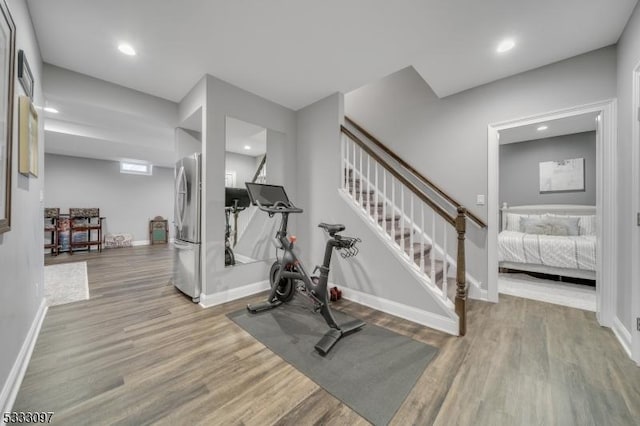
(243, 259)
(476, 291)
(428, 319)
(623, 335)
(209, 300)
(12, 385)
(144, 243)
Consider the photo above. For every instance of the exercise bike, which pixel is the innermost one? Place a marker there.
(236, 200)
(288, 271)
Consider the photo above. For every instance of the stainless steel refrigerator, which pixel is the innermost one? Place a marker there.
(186, 263)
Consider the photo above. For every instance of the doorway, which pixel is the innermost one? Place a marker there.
(604, 197)
(547, 196)
(635, 239)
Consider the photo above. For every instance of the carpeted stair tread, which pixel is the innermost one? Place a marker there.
(417, 247)
(439, 270)
(388, 219)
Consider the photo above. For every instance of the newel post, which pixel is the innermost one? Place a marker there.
(461, 285)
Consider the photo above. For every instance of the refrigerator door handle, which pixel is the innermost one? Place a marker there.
(181, 194)
(182, 246)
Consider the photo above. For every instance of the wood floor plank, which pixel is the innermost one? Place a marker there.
(139, 352)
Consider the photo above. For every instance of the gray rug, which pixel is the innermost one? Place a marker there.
(372, 370)
(65, 283)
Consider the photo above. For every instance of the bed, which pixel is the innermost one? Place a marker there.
(550, 239)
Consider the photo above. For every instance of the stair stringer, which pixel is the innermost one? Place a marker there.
(435, 312)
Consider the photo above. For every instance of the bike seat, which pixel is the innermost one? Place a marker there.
(332, 229)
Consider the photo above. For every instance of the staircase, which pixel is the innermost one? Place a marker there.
(413, 244)
(407, 236)
(427, 234)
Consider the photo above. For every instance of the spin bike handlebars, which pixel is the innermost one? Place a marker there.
(279, 207)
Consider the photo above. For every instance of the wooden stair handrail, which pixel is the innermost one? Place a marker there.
(262, 162)
(417, 191)
(416, 173)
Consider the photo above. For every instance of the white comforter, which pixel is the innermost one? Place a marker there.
(576, 252)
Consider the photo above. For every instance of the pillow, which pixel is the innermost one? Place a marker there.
(513, 221)
(570, 223)
(550, 226)
(534, 226)
(586, 224)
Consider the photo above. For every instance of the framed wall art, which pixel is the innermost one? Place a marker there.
(7, 75)
(24, 74)
(562, 176)
(28, 138)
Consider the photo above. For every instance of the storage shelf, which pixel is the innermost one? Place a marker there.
(85, 221)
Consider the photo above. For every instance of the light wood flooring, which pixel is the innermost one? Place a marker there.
(138, 352)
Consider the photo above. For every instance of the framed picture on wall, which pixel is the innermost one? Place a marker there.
(7, 66)
(28, 138)
(24, 74)
(562, 176)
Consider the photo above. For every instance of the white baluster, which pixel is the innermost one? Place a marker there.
(361, 176)
(369, 183)
(433, 247)
(422, 237)
(353, 170)
(393, 208)
(343, 163)
(402, 218)
(444, 261)
(376, 189)
(411, 228)
(384, 199)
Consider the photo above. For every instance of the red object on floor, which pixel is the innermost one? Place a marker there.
(335, 294)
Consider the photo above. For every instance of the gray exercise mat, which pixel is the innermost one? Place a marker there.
(372, 370)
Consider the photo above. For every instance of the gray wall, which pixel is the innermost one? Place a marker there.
(187, 142)
(628, 59)
(244, 166)
(318, 135)
(218, 101)
(520, 171)
(446, 139)
(127, 201)
(21, 261)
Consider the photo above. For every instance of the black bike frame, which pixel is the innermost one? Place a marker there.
(292, 268)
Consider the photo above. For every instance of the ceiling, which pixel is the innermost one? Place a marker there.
(292, 52)
(240, 134)
(295, 52)
(563, 126)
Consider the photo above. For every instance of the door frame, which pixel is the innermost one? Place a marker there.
(606, 207)
(635, 206)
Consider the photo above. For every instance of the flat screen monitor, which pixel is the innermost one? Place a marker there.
(267, 195)
(236, 194)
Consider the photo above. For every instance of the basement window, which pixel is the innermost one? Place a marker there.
(136, 168)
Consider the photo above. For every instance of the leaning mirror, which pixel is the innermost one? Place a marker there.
(247, 235)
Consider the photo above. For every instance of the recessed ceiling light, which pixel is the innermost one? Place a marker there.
(505, 45)
(247, 147)
(51, 110)
(541, 128)
(127, 49)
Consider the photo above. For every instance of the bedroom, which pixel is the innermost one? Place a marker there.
(547, 245)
